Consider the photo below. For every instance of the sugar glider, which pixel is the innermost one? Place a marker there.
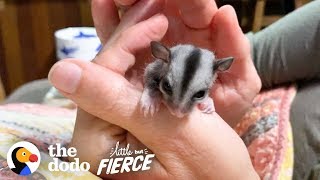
(181, 78)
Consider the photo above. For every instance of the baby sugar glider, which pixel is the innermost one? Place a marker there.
(181, 78)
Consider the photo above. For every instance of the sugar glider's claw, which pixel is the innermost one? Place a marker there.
(207, 106)
(149, 105)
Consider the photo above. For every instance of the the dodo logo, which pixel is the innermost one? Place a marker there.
(23, 158)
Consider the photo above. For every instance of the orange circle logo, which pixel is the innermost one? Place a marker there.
(23, 158)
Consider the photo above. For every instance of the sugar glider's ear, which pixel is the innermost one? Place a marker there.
(223, 64)
(160, 51)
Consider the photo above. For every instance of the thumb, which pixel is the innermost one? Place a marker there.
(99, 90)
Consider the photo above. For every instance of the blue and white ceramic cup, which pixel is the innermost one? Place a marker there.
(77, 42)
(74, 42)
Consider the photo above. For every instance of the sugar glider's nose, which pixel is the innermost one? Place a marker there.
(177, 112)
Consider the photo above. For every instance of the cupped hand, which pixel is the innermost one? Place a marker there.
(190, 148)
(201, 23)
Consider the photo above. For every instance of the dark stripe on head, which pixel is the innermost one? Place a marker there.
(191, 65)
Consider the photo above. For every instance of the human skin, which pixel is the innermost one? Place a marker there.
(202, 25)
(191, 148)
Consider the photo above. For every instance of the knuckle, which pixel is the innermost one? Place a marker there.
(151, 32)
(123, 40)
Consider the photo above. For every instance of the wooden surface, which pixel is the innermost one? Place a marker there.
(27, 47)
(261, 20)
(299, 3)
(2, 93)
(258, 15)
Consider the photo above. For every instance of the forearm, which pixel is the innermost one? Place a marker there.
(288, 50)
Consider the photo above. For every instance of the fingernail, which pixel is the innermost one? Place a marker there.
(65, 76)
(158, 17)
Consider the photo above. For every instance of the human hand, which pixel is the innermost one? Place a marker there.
(190, 148)
(203, 25)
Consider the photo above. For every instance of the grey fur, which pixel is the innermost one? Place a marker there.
(188, 71)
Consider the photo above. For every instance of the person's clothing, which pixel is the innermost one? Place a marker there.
(289, 51)
(305, 122)
(32, 92)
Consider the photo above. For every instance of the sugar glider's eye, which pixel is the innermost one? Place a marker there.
(167, 87)
(199, 95)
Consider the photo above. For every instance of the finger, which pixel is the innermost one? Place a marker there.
(125, 2)
(142, 10)
(118, 55)
(107, 95)
(104, 94)
(105, 17)
(241, 82)
(95, 89)
(197, 13)
(230, 40)
(100, 92)
(121, 54)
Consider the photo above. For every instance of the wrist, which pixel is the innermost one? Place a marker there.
(205, 147)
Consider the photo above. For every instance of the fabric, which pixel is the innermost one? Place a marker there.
(42, 126)
(32, 92)
(305, 113)
(288, 50)
(266, 131)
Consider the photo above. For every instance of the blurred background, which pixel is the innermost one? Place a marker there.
(27, 44)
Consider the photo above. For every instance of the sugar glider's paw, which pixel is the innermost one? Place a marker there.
(207, 106)
(148, 104)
